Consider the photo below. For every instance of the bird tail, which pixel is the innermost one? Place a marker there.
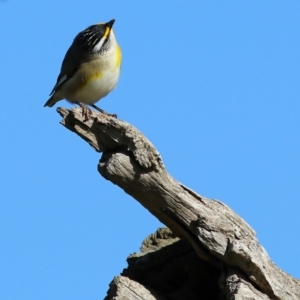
(52, 100)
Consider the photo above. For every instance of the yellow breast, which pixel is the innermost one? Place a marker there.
(95, 79)
(118, 56)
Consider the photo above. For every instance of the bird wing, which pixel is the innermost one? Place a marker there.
(69, 67)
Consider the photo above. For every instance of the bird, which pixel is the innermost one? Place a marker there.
(90, 69)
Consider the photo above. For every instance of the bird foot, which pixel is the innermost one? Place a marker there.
(86, 112)
(104, 112)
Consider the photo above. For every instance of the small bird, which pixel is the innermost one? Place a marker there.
(90, 69)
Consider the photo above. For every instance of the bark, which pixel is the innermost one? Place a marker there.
(218, 236)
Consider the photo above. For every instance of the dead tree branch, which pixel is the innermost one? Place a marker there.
(217, 234)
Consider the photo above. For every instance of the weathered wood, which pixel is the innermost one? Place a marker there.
(217, 234)
(171, 268)
(123, 288)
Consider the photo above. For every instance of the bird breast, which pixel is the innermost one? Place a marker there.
(94, 80)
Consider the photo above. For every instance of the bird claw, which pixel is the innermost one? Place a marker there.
(86, 112)
(104, 112)
(111, 115)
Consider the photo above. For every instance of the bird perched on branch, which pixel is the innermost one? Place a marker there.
(90, 69)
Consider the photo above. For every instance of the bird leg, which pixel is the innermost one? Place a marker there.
(86, 112)
(103, 112)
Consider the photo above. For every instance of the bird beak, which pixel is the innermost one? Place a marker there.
(110, 23)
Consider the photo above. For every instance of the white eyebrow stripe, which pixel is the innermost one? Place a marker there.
(99, 45)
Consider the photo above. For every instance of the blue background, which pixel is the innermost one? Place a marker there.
(214, 85)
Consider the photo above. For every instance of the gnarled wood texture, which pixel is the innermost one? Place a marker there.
(217, 234)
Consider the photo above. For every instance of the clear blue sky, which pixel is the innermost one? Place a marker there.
(214, 85)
